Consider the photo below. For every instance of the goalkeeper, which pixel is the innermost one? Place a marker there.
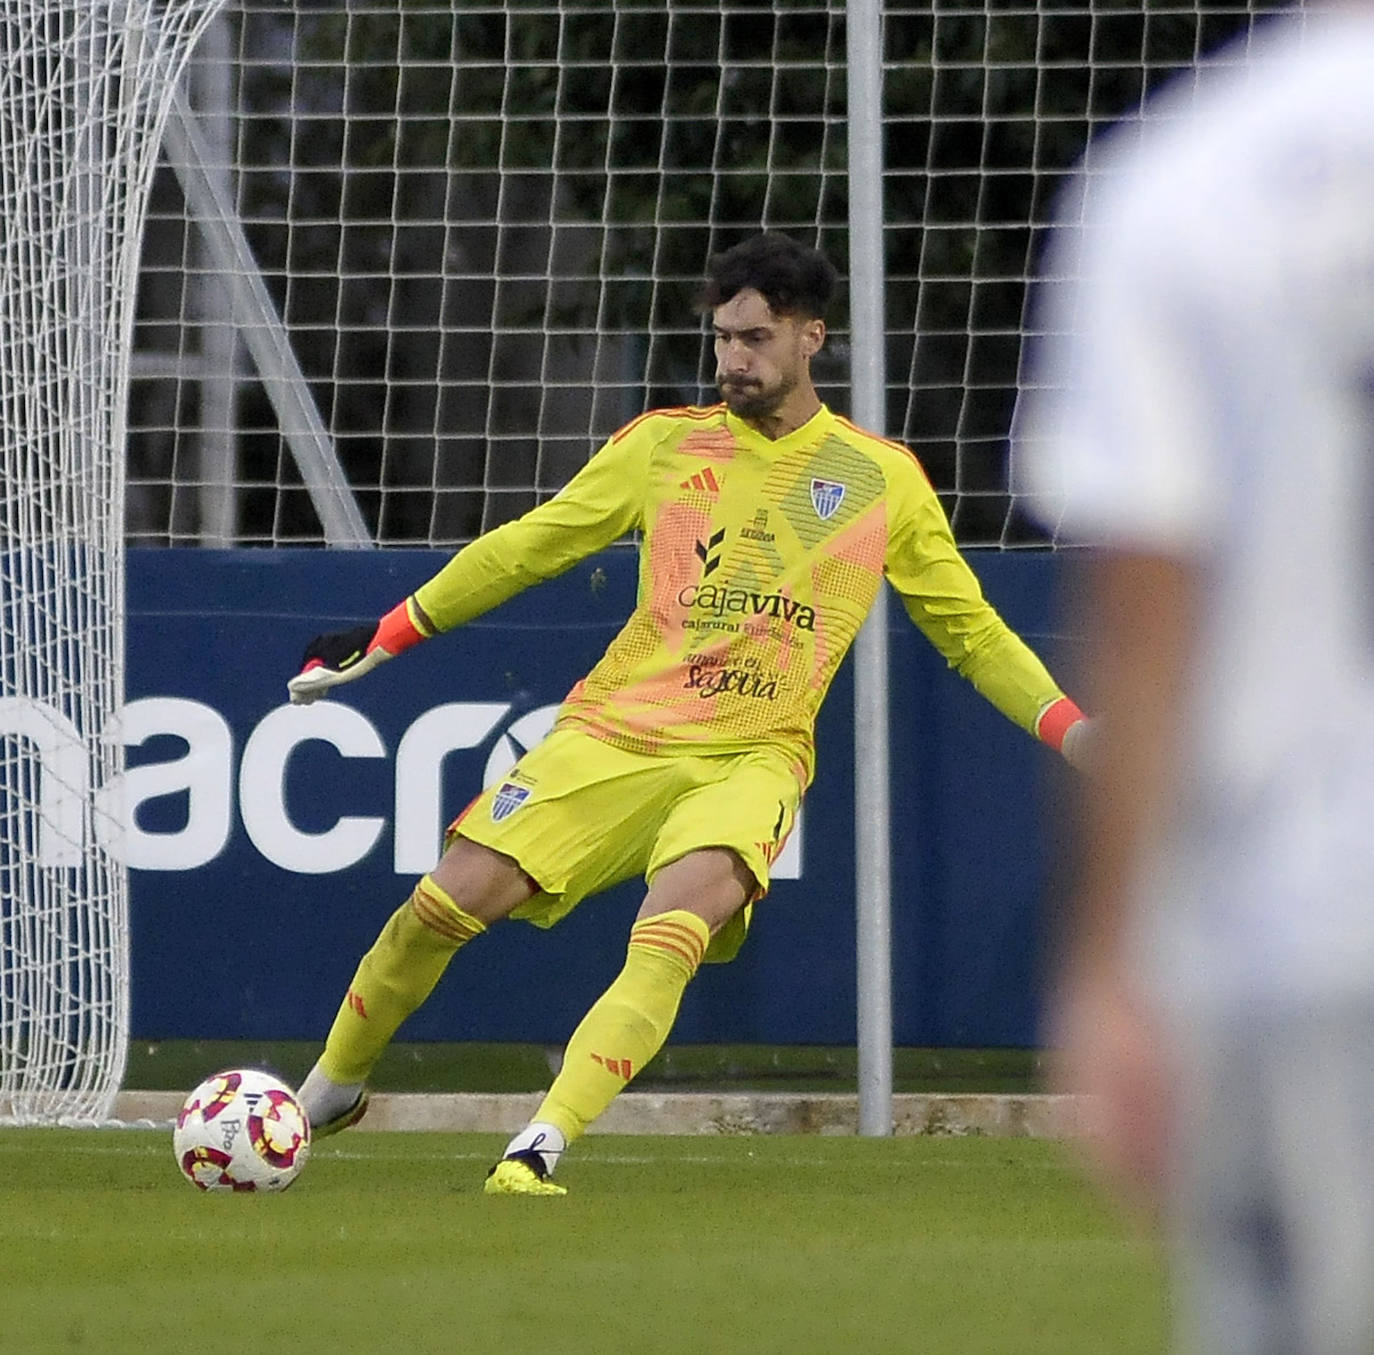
(766, 526)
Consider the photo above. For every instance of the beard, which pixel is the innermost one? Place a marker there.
(750, 399)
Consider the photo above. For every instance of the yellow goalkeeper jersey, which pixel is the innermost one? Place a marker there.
(758, 561)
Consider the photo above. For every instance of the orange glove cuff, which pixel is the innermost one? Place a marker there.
(1055, 721)
(398, 630)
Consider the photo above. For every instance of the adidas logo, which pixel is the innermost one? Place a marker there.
(620, 1067)
(704, 480)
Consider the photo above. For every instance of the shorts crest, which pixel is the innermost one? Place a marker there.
(507, 800)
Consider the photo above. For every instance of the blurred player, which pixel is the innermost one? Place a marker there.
(1214, 437)
(767, 524)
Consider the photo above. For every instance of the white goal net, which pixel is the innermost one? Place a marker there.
(408, 262)
(83, 90)
(481, 228)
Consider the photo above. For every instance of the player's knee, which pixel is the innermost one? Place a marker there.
(484, 883)
(433, 915)
(714, 883)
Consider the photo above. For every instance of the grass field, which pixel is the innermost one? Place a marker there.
(387, 1245)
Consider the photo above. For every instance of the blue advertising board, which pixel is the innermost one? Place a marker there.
(268, 843)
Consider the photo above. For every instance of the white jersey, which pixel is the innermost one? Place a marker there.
(1211, 396)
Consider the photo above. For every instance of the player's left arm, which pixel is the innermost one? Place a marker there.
(943, 597)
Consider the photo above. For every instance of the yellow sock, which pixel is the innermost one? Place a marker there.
(394, 978)
(628, 1024)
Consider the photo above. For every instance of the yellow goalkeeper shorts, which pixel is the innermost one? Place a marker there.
(580, 815)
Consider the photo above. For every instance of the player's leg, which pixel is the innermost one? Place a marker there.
(1232, 1282)
(709, 860)
(471, 887)
(689, 900)
(1321, 1096)
(1275, 1204)
(539, 824)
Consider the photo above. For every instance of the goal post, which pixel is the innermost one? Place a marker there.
(85, 88)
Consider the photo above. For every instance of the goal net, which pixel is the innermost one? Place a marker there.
(408, 262)
(482, 225)
(84, 87)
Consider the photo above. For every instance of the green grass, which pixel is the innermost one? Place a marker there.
(475, 1067)
(664, 1245)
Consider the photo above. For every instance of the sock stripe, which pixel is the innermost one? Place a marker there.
(662, 932)
(667, 935)
(667, 948)
(440, 914)
(694, 935)
(689, 947)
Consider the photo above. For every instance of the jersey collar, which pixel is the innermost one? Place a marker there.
(808, 433)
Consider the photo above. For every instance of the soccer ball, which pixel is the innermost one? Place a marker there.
(241, 1130)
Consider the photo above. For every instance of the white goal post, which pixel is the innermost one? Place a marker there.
(84, 92)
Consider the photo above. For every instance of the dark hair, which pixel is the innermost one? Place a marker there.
(791, 278)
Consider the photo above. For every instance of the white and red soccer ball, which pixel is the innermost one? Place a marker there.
(241, 1130)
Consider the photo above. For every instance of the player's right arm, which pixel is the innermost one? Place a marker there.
(602, 502)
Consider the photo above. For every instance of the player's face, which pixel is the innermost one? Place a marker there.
(761, 358)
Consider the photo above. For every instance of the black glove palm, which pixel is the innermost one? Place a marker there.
(339, 650)
(341, 656)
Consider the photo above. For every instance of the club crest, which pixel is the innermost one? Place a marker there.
(826, 498)
(507, 800)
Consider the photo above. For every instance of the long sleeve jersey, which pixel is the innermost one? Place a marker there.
(758, 561)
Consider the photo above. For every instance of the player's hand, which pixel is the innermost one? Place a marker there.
(346, 655)
(340, 656)
(1108, 1048)
(1080, 745)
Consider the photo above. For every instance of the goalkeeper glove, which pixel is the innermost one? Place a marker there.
(1068, 731)
(344, 656)
(1080, 742)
